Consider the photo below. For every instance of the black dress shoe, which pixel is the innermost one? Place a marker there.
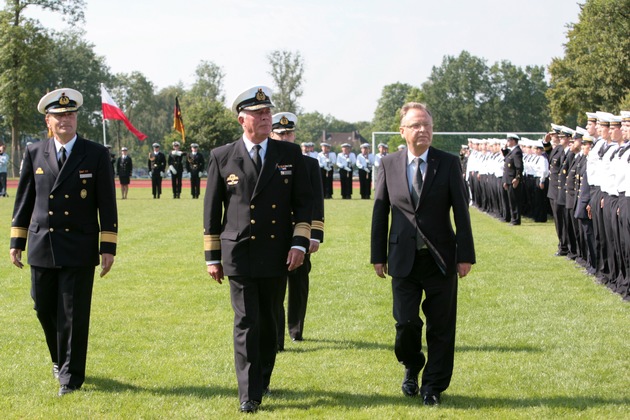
(250, 406)
(67, 389)
(431, 399)
(410, 383)
(55, 371)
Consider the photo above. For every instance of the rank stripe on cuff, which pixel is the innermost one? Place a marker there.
(302, 229)
(211, 242)
(109, 237)
(18, 232)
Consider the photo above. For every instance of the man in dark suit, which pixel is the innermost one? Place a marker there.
(420, 187)
(157, 165)
(283, 129)
(195, 164)
(512, 175)
(65, 196)
(124, 168)
(257, 222)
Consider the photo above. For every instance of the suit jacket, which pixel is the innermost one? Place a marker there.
(513, 165)
(60, 211)
(315, 176)
(251, 221)
(443, 189)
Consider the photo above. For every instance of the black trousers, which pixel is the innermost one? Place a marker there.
(365, 184)
(440, 311)
(176, 183)
(514, 202)
(254, 301)
(327, 182)
(63, 299)
(298, 282)
(156, 184)
(195, 183)
(345, 178)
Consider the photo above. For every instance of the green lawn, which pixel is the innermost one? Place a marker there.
(537, 338)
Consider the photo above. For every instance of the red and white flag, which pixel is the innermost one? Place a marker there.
(111, 111)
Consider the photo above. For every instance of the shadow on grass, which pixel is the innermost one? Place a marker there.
(283, 399)
(327, 344)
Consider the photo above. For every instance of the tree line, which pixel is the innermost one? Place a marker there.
(464, 92)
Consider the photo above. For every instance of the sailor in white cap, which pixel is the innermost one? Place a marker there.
(157, 166)
(124, 169)
(383, 150)
(365, 164)
(176, 167)
(327, 160)
(283, 129)
(66, 190)
(257, 228)
(345, 162)
(512, 177)
(195, 164)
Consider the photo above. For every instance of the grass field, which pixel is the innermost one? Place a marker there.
(537, 338)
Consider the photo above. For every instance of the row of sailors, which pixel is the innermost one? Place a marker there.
(484, 166)
(587, 171)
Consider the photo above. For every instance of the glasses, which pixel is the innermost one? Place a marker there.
(418, 126)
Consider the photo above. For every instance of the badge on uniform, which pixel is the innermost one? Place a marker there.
(83, 193)
(232, 179)
(84, 174)
(39, 171)
(285, 169)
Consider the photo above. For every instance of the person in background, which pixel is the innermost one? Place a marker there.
(157, 165)
(345, 162)
(195, 164)
(327, 161)
(176, 168)
(283, 129)
(124, 168)
(365, 164)
(4, 167)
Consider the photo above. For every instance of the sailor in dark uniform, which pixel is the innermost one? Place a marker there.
(66, 206)
(157, 165)
(257, 228)
(124, 168)
(176, 168)
(195, 164)
(283, 129)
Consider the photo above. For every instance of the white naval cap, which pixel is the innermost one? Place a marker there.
(60, 101)
(257, 97)
(283, 121)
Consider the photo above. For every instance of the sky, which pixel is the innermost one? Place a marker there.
(351, 48)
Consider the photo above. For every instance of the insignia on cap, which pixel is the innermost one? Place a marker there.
(260, 95)
(284, 120)
(64, 100)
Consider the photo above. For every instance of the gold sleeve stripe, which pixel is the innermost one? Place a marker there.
(109, 237)
(317, 225)
(18, 232)
(211, 243)
(302, 229)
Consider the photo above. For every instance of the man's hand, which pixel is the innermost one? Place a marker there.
(381, 270)
(515, 182)
(16, 257)
(295, 259)
(313, 247)
(463, 269)
(216, 272)
(107, 260)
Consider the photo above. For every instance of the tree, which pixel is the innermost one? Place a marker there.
(209, 83)
(393, 97)
(594, 72)
(23, 43)
(287, 71)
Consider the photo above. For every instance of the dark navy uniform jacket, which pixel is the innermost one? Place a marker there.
(62, 213)
(251, 221)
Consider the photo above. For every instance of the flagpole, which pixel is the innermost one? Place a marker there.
(103, 115)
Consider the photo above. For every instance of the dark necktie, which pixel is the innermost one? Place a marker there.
(256, 158)
(62, 158)
(416, 184)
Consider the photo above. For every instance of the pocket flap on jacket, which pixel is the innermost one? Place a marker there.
(393, 238)
(231, 235)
